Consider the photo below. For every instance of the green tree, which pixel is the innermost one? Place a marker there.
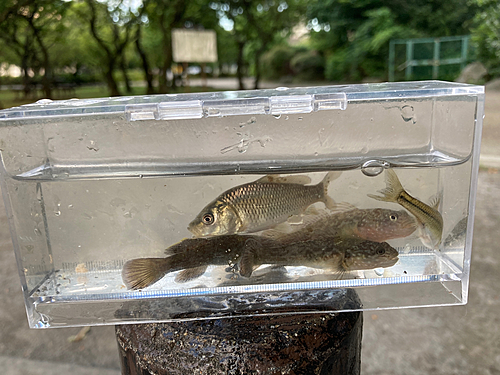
(257, 24)
(354, 35)
(28, 33)
(110, 27)
(162, 17)
(486, 35)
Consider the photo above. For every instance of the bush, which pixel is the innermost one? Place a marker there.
(276, 62)
(308, 66)
(337, 66)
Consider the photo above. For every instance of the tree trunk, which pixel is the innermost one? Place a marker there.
(24, 69)
(110, 79)
(46, 78)
(148, 76)
(258, 54)
(167, 57)
(240, 62)
(123, 68)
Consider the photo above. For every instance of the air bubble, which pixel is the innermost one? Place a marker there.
(277, 117)
(373, 168)
(379, 271)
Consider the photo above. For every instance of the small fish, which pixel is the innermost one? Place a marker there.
(260, 205)
(250, 251)
(345, 220)
(430, 221)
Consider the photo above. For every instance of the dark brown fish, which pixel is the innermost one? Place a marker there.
(249, 251)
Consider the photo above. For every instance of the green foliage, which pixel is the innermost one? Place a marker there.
(308, 66)
(337, 66)
(276, 62)
(486, 35)
(354, 35)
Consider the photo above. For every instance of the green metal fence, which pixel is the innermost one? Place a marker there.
(432, 57)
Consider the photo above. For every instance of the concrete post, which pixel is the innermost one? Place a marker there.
(288, 343)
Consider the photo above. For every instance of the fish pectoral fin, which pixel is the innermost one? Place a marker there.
(141, 273)
(435, 201)
(249, 259)
(190, 274)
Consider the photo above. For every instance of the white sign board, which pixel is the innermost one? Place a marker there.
(194, 45)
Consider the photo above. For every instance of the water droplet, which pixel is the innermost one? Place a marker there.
(373, 168)
(286, 117)
(252, 120)
(379, 271)
(364, 150)
(316, 154)
(300, 118)
(57, 213)
(37, 232)
(277, 117)
(70, 206)
(93, 146)
(408, 114)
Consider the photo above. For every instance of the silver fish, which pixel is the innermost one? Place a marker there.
(260, 205)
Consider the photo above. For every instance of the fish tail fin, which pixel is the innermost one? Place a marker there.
(392, 190)
(142, 272)
(330, 176)
(190, 274)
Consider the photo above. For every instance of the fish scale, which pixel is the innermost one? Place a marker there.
(259, 205)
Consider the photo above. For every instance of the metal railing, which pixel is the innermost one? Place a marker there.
(436, 60)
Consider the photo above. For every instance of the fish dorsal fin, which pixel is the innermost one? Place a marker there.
(302, 180)
(176, 247)
(435, 201)
(343, 207)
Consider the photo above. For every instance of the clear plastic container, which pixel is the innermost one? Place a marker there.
(91, 184)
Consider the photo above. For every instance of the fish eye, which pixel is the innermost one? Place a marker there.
(380, 251)
(393, 217)
(208, 219)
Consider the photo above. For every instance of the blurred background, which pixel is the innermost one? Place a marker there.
(61, 49)
(89, 48)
